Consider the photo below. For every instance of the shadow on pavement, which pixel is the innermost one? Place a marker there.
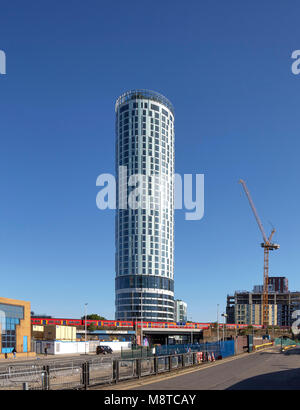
(292, 351)
(283, 380)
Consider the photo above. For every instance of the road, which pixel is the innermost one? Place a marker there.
(51, 360)
(266, 370)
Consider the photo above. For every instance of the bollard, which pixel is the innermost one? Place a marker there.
(88, 373)
(116, 371)
(138, 367)
(43, 381)
(85, 375)
(156, 365)
(45, 378)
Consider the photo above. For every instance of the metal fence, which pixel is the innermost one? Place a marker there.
(136, 352)
(224, 349)
(227, 348)
(62, 374)
(186, 348)
(22, 380)
(81, 375)
(280, 341)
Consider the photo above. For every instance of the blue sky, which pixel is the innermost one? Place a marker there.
(226, 67)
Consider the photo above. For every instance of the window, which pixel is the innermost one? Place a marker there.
(139, 281)
(154, 107)
(8, 322)
(124, 108)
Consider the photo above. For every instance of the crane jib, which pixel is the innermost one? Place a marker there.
(268, 246)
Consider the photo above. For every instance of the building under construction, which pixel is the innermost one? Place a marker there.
(247, 307)
(267, 246)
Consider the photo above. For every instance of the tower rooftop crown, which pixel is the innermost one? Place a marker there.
(144, 94)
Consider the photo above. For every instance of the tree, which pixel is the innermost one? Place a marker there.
(93, 316)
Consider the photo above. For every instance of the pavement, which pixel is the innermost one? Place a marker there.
(268, 369)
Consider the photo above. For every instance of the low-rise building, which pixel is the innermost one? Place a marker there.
(15, 327)
(37, 332)
(56, 332)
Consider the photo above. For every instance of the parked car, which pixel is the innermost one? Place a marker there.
(103, 350)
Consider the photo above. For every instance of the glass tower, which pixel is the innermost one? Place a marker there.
(144, 283)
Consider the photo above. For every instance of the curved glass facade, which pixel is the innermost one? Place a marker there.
(145, 206)
(144, 281)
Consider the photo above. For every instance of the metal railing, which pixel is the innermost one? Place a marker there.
(221, 348)
(144, 94)
(137, 352)
(262, 346)
(22, 380)
(96, 372)
(283, 342)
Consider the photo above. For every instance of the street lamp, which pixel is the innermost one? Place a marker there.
(85, 307)
(224, 315)
(218, 323)
(142, 318)
(192, 338)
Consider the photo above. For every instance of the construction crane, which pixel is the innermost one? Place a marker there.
(268, 246)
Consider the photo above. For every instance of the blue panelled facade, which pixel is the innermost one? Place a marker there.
(10, 316)
(224, 348)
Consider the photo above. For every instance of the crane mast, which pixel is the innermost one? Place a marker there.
(268, 246)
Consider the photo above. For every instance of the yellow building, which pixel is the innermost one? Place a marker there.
(55, 332)
(15, 328)
(37, 332)
(252, 314)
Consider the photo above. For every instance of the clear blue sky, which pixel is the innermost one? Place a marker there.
(226, 67)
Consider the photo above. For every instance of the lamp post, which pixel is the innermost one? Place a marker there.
(141, 316)
(192, 336)
(224, 315)
(85, 308)
(218, 323)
